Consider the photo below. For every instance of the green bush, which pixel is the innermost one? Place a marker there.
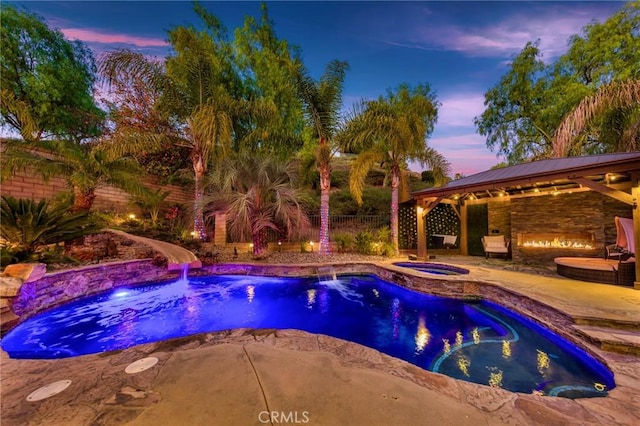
(383, 245)
(340, 179)
(344, 242)
(29, 226)
(364, 242)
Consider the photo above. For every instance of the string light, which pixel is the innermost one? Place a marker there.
(324, 229)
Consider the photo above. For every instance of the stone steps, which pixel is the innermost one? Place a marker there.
(612, 339)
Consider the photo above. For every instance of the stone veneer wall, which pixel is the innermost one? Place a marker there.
(578, 212)
(499, 213)
(60, 287)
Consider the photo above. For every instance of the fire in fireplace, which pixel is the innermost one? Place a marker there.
(581, 241)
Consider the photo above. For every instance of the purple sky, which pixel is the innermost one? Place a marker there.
(461, 48)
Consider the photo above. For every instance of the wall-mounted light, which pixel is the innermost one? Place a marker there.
(419, 209)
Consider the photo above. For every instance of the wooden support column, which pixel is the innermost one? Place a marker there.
(464, 234)
(422, 234)
(423, 208)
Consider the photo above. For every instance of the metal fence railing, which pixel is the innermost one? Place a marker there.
(337, 224)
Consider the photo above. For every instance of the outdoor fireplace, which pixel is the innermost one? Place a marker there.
(557, 240)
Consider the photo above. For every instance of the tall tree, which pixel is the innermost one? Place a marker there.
(268, 66)
(322, 101)
(200, 100)
(513, 120)
(391, 131)
(524, 109)
(46, 80)
(85, 167)
(260, 193)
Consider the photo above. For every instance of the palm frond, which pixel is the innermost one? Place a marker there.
(615, 95)
(358, 173)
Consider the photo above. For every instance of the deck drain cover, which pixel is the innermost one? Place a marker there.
(49, 390)
(141, 365)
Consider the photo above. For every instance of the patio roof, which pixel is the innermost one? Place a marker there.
(552, 175)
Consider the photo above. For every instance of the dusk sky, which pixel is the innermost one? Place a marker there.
(460, 48)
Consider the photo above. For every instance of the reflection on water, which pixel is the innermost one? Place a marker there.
(463, 364)
(422, 334)
(495, 378)
(481, 342)
(506, 349)
(543, 361)
(476, 335)
(311, 297)
(251, 293)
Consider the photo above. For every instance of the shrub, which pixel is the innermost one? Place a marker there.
(383, 244)
(344, 242)
(364, 242)
(29, 226)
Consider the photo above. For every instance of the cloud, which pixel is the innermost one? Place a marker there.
(467, 153)
(96, 36)
(553, 25)
(459, 110)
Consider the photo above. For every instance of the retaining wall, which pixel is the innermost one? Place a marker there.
(29, 184)
(60, 287)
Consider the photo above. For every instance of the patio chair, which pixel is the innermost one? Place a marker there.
(624, 246)
(497, 245)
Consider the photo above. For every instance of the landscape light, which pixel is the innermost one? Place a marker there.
(132, 216)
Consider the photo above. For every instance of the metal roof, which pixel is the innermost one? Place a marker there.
(548, 171)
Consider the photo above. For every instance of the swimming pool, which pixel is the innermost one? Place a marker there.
(479, 342)
(433, 268)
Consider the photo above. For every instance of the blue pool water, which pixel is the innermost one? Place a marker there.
(433, 268)
(475, 341)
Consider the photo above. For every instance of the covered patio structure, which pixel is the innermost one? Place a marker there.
(546, 209)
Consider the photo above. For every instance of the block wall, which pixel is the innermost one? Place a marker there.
(29, 184)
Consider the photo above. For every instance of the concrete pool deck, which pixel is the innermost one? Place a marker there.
(253, 377)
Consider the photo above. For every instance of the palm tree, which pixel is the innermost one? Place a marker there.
(322, 102)
(203, 126)
(84, 166)
(197, 112)
(391, 131)
(260, 193)
(619, 98)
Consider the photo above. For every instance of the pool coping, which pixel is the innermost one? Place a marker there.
(479, 283)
